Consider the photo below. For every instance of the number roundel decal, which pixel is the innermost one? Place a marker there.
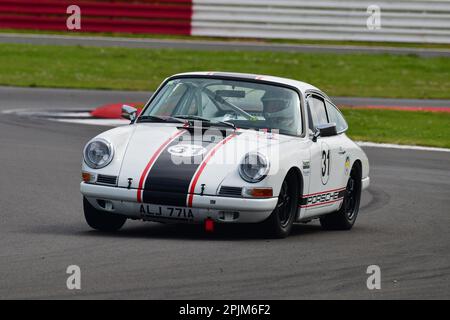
(325, 163)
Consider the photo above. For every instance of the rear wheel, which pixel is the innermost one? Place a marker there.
(101, 220)
(279, 224)
(345, 217)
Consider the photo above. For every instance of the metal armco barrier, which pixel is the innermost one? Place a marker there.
(400, 20)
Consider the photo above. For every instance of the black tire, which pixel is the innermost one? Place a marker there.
(345, 217)
(100, 220)
(279, 224)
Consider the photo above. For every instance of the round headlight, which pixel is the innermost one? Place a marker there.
(98, 153)
(254, 167)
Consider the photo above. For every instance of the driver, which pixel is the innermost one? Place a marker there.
(277, 109)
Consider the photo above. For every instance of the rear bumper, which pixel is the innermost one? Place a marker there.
(124, 202)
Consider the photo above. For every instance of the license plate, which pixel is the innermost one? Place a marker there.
(163, 212)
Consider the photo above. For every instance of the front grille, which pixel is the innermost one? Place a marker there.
(109, 180)
(230, 191)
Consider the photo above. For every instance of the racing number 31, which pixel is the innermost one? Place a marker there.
(325, 163)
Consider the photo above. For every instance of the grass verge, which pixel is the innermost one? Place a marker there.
(363, 75)
(400, 127)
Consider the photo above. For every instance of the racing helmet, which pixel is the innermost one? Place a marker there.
(277, 104)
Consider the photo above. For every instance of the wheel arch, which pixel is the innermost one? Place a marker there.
(299, 176)
(358, 166)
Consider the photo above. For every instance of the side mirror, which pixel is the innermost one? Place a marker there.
(325, 130)
(129, 112)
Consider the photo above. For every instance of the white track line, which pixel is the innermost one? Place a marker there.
(51, 114)
(399, 146)
(68, 114)
(96, 122)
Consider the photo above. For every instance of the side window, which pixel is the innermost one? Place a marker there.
(317, 113)
(334, 115)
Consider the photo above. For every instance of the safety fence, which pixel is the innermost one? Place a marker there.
(157, 17)
(362, 20)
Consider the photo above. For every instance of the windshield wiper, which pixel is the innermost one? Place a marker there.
(150, 118)
(199, 118)
(226, 123)
(192, 117)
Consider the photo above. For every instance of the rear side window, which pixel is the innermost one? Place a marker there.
(335, 116)
(317, 113)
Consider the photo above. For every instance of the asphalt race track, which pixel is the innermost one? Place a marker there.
(149, 43)
(403, 227)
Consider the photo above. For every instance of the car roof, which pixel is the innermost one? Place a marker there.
(302, 86)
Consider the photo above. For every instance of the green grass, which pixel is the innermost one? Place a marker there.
(401, 127)
(366, 75)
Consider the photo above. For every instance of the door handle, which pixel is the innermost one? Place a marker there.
(342, 151)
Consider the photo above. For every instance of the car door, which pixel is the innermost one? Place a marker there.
(340, 142)
(327, 158)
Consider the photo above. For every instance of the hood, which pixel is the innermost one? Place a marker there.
(166, 164)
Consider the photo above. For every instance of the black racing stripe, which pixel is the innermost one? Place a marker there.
(168, 182)
(304, 200)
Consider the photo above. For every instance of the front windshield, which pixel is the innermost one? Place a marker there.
(248, 105)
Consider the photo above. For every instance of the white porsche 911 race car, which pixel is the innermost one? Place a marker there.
(213, 147)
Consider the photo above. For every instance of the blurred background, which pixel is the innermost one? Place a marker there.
(421, 21)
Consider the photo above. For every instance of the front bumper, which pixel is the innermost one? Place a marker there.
(365, 182)
(220, 209)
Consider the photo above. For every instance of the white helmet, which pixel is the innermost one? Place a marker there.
(277, 104)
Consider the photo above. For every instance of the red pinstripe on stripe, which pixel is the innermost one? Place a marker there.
(152, 161)
(202, 167)
(313, 194)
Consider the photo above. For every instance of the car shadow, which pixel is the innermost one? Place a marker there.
(150, 230)
(196, 232)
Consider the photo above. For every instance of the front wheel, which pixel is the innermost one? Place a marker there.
(345, 217)
(100, 220)
(279, 224)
